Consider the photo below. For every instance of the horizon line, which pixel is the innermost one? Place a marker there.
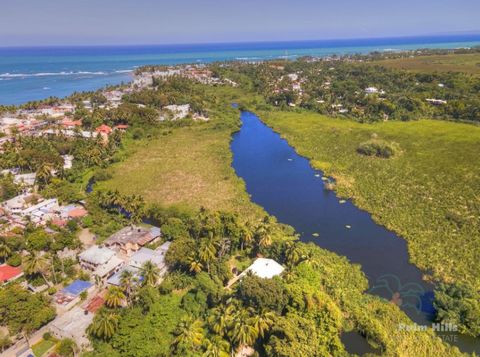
(429, 36)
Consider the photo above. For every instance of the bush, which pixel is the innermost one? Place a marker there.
(15, 260)
(458, 304)
(378, 148)
(47, 336)
(262, 293)
(102, 175)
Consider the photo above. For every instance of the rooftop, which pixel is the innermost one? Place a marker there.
(97, 255)
(134, 235)
(8, 272)
(265, 268)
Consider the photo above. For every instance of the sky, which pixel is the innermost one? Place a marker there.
(126, 22)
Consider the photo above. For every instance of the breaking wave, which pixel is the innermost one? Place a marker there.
(59, 74)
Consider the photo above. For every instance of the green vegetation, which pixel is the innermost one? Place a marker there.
(465, 63)
(378, 148)
(429, 194)
(23, 312)
(458, 304)
(305, 311)
(187, 163)
(41, 347)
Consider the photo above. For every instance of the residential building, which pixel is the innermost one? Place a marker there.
(101, 261)
(130, 239)
(9, 273)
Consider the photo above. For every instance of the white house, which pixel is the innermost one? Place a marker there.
(101, 261)
(371, 90)
(264, 268)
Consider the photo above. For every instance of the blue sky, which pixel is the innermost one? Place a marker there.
(93, 22)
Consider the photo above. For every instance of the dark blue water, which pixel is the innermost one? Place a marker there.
(36, 73)
(285, 184)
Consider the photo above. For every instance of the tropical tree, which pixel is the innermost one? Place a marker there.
(104, 325)
(216, 347)
(5, 251)
(263, 322)
(247, 235)
(67, 348)
(127, 283)
(243, 332)
(196, 265)
(34, 263)
(44, 174)
(150, 273)
(114, 297)
(220, 319)
(208, 250)
(263, 236)
(189, 335)
(293, 255)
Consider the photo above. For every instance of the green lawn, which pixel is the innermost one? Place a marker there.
(40, 348)
(467, 63)
(429, 193)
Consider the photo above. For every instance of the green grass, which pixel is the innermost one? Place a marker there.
(189, 166)
(429, 193)
(466, 63)
(40, 348)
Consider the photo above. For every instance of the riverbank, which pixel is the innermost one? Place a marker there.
(428, 193)
(188, 164)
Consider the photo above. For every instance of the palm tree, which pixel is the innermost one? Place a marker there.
(5, 251)
(195, 265)
(263, 322)
(104, 325)
(246, 235)
(44, 174)
(189, 335)
(243, 332)
(216, 347)
(127, 283)
(150, 273)
(221, 319)
(35, 263)
(208, 250)
(114, 297)
(293, 254)
(262, 236)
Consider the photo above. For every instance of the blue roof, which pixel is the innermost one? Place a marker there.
(77, 287)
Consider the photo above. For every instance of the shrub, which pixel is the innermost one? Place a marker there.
(47, 336)
(15, 260)
(102, 175)
(378, 148)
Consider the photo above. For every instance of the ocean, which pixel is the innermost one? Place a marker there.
(39, 72)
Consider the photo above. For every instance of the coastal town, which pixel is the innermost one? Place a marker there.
(90, 267)
(101, 272)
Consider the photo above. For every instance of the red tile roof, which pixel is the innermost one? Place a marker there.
(121, 126)
(8, 272)
(77, 212)
(72, 123)
(95, 304)
(103, 129)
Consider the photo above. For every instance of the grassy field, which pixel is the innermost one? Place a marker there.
(429, 193)
(467, 63)
(40, 348)
(188, 166)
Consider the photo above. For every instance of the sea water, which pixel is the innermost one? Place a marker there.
(39, 72)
